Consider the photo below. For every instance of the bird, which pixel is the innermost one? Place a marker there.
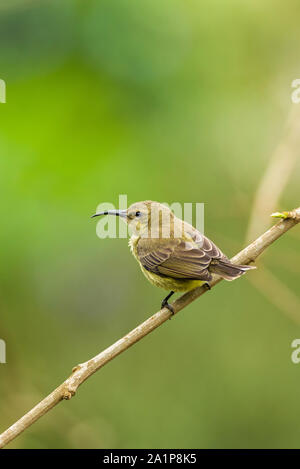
(172, 254)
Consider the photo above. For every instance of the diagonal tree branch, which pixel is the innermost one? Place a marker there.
(83, 371)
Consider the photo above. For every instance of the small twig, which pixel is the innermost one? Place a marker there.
(276, 176)
(83, 371)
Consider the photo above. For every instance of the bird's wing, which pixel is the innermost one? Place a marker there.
(177, 258)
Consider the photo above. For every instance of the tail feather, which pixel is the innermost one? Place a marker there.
(227, 270)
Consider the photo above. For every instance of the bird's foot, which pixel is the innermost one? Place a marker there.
(207, 286)
(165, 304)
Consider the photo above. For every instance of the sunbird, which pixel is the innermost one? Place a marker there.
(172, 254)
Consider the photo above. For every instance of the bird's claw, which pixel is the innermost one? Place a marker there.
(165, 304)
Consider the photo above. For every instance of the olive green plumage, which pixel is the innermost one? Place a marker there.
(172, 254)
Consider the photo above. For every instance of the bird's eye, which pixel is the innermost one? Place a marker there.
(137, 214)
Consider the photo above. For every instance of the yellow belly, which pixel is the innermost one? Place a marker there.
(169, 283)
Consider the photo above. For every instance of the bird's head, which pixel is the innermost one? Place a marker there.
(143, 217)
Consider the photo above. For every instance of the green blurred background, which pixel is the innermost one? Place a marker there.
(169, 101)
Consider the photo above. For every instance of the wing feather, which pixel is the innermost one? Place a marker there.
(177, 258)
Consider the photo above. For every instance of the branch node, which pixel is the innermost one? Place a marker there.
(294, 214)
(283, 215)
(76, 368)
(68, 394)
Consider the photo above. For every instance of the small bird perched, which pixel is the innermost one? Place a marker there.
(171, 253)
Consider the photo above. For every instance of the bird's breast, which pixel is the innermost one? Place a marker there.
(133, 243)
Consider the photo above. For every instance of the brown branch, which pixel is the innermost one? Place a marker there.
(83, 371)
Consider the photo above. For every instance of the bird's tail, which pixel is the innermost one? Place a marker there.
(227, 270)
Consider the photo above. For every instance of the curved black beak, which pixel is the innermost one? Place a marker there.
(118, 213)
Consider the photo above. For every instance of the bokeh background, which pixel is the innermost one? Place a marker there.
(170, 101)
